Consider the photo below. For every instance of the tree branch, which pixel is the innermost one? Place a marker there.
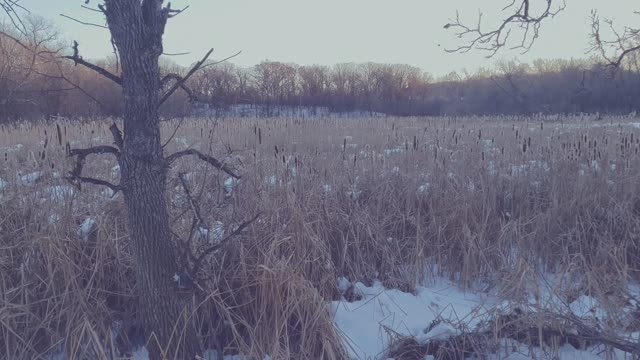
(180, 82)
(197, 263)
(206, 158)
(9, 7)
(75, 176)
(77, 59)
(117, 135)
(83, 22)
(493, 40)
(182, 85)
(622, 44)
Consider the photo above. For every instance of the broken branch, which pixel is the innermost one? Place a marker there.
(75, 175)
(117, 135)
(198, 261)
(77, 59)
(209, 159)
(183, 80)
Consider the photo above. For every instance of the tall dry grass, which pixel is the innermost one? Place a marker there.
(398, 200)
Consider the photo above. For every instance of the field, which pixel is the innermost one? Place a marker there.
(374, 238)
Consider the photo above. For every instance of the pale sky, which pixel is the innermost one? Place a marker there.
(335, 31)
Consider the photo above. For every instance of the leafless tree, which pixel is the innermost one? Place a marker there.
(618, 44)
(523, 16)
(137, 28)
(527, 16)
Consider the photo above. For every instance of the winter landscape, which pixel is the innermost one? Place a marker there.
(157, 208)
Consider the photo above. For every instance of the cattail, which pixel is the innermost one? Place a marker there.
(259, 136)
(59, 134)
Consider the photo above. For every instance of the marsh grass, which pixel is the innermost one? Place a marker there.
(497, 200)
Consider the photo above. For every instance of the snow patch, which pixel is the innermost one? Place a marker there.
(230, 184)
(363, 322)
(59, 193)
(31, 178)
(87, 227)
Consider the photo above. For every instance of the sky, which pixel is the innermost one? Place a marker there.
(337, 31)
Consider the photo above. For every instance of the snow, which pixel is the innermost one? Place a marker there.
(230, 184)
(14, 148)
(54, 219)
(278, 111)
(343, 284)
(424, 188)
(3, 184)
(140, 354)
(441, 310)
(115, 172)
(271, 180)
(213, 235)
(31, 178)
(86, 228)
(59, 193)
(389, 152)
(365, 324)
(587, 307)
(108, 193)
(442, 331)
(518, 351)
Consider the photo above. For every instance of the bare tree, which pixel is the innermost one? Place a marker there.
(527, 16)
(618, 45)
(137, 28)
(523, 16)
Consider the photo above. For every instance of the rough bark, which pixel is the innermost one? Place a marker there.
(137, 28)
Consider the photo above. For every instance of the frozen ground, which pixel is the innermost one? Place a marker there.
(441, 310)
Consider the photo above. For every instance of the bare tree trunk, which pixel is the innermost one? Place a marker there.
(137, 28)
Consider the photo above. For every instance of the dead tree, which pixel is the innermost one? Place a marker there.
(137, 28)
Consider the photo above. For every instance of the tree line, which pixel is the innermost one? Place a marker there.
(35, 86)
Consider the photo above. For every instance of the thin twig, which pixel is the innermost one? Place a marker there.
(83, 22)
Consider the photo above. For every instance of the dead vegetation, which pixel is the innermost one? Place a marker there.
(397, 200)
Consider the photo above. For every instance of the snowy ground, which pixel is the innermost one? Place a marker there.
(435, 312)
(368, 324)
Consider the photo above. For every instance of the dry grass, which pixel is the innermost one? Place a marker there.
(397, 200)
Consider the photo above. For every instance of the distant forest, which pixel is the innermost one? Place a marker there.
(49, 85)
